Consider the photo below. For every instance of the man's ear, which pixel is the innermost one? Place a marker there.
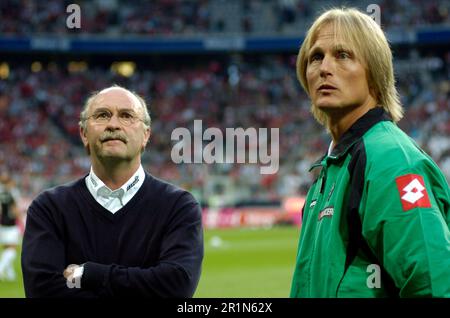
(83, 136)
(147, 134)
(85, 141)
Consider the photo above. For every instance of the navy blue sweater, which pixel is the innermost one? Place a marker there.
(151, 247)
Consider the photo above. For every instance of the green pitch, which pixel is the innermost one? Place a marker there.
(13, 289)
(238, 263)
(248, 263)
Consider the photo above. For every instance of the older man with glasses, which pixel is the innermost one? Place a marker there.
(118, 231)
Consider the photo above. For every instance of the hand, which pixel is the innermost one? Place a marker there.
(68, 272)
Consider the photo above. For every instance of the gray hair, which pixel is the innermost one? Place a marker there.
(84, 113)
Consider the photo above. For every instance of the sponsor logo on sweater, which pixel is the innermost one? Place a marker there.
(327, 212)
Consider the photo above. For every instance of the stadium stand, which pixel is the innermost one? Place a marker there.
(200, 17)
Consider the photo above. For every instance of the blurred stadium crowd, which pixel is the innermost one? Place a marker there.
(39, 119)
(39, 109)
(199, 17)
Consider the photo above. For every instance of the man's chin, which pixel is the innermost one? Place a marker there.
(326, 106)
(112, 155)
(333, 107)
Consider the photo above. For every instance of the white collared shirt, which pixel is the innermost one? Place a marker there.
(114, 200)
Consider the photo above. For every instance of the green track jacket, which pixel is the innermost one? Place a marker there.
(376, 220)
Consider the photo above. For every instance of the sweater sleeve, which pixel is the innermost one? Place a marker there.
(43, 258)
(178, 270)
(405, 225)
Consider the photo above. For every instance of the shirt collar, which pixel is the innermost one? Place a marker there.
(358, 129)
(354, 133)
(98, 188)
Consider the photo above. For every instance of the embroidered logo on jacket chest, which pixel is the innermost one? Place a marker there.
(326, 212)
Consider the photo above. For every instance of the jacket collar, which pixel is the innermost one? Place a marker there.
(355, 132)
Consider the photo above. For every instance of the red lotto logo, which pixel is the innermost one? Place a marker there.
(412, 192)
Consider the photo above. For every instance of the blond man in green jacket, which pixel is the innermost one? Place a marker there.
(376, 220)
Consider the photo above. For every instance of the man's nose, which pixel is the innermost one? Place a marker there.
(114, 122)
(326, 66)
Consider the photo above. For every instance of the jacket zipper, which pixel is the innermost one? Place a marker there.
(318, 196)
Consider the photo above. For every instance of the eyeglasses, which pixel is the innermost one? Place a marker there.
(125, 117)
